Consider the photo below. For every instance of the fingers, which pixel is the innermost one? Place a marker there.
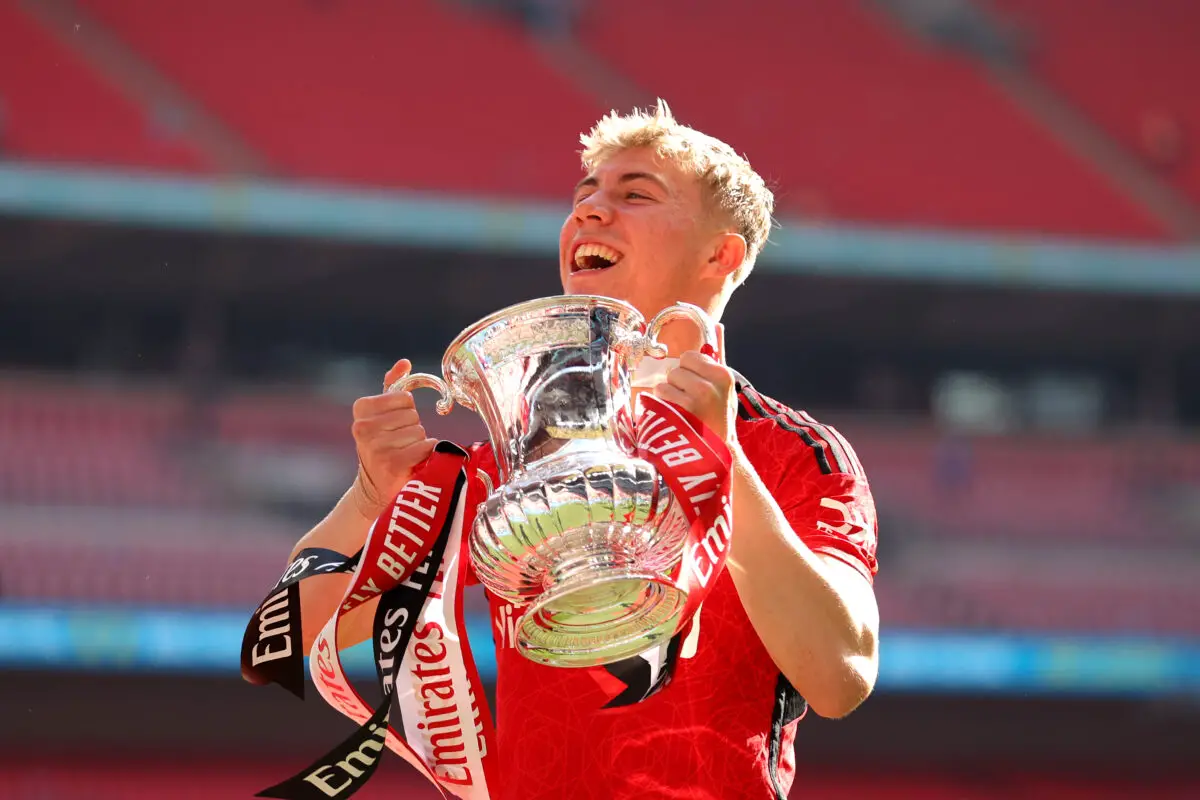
(398, 371)
(673, 394)
(378, 404)
(389, 438)
(397, 463)
(394, 441)
(707, 368)
(388, 453)
(405, 452)
(690, 382)
(689, 390)
(385, 464)
(702, 386)
(394, 420)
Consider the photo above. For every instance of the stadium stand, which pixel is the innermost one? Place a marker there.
(126, 492)
(978, 596)
(859, 122)
(1119, 488)
(1130, 67)
(94, 446)
(856, 116)
(130, 445)
(157, 559)
(55, 107)
(362, 91)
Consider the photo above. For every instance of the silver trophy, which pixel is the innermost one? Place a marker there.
(580, 531)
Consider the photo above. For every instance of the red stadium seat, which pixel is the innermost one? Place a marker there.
(851, 117)
(1030, 487)
(1131, 67)
(858, 121)
(418, 94)
(105, 477)
(91, 447)
(56, 107)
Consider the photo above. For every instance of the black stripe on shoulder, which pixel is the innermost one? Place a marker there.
(843, 453)
(754, 408)
(789, 707)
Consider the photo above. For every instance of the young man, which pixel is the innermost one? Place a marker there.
(667, 214)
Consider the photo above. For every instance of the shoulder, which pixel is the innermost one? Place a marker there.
(769, 425)
(815, 476)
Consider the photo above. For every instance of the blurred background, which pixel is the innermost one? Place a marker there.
(220, 222)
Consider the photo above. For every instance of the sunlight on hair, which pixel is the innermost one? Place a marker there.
(730, 183)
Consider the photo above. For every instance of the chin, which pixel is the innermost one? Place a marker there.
(589, 286)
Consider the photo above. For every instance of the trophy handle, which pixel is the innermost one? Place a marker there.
(670, 313)
(423, 380)
(486, 480)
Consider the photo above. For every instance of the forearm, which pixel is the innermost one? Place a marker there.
(343, 530)
(390, 443)
(817, 620)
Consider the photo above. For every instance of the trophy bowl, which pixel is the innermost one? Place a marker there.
(580, 532)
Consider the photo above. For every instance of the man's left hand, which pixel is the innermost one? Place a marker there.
(704, 387)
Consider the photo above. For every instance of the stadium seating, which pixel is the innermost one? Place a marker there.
(420, 94)
(116, 462)
(56, 107)
(75, 444)
(1115, 489)
(856, 121)
(1076, 602)
(281, 418)
(92, 446)
(1131, 67)
(79, 445)
(851, 119)
(146, 558)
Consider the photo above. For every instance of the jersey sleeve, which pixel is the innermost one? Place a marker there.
(834, 514)
(814, 475)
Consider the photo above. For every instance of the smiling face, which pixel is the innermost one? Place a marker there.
(640, 232)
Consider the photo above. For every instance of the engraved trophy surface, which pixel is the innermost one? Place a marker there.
(581, 532)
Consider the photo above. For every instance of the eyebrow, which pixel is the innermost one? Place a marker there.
(628, 177)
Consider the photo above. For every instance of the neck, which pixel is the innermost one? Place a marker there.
(680, 336)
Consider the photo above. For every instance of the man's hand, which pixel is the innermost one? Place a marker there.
(390, 441)
(704, 387)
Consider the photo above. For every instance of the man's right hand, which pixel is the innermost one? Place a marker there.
(390, 441)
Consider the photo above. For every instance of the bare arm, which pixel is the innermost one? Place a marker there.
(816, 615)
(390, 441)
(344, 530)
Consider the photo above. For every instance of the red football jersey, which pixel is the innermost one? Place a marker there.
(724, 726)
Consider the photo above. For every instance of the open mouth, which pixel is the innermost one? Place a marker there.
(591, 257)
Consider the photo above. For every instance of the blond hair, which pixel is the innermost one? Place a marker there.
(731, 185)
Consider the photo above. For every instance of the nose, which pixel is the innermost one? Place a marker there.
(593, 208)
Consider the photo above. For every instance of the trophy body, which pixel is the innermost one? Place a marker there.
(580, 531)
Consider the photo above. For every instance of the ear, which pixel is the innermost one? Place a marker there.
(727, 254)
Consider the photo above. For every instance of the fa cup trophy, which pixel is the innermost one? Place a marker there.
(581, 532)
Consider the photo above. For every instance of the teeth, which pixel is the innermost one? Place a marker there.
(598, 250)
